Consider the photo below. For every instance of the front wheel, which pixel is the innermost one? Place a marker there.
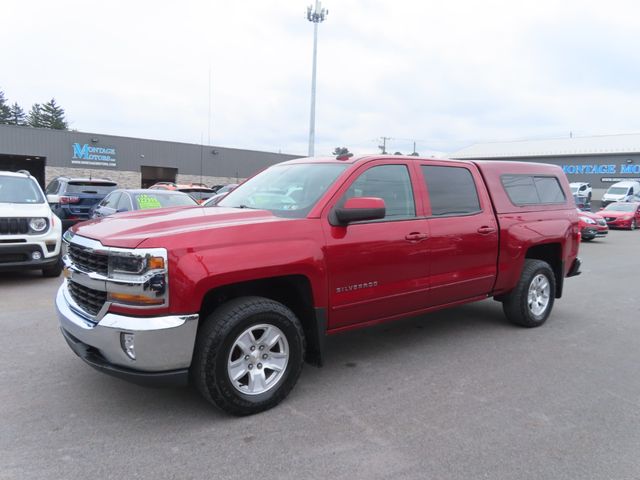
(249, 355)
(633, 225)
(530, 302)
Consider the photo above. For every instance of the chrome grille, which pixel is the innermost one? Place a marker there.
(90, 300)
(88, 260)
(14, 226)
(609, 219)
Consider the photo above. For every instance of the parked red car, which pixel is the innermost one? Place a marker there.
(622, 215)
(592, 225)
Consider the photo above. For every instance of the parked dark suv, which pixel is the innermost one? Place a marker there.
(71, 199)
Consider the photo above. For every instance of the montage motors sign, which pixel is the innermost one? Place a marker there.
(628, 169)
(91, 155)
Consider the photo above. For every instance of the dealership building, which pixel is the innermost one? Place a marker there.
(599, 160)
(132, 162)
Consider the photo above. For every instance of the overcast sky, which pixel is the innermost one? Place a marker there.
(443, 73)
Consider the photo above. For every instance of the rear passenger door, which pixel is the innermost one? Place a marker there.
(463, 232)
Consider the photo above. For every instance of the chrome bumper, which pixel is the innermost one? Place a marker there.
(162, 344)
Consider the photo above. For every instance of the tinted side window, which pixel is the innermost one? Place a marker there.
(520, 189)
(549, 190)
(452, 190)
(529, 189)
(52, 188)
(112, 200)
(389, 182)
(124, 204)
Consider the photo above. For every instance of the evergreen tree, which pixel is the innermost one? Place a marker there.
(5, 113)
(342, 152)
(34, 119)
(17, 116)
(53, 116)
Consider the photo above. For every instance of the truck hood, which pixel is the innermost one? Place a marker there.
(128, 230)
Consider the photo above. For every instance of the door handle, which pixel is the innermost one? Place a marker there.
(415, 236)
(485, 230)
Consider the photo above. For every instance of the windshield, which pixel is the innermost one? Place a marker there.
(198, 193)
(285, 190)
(156, 199)
(618, 190)
(621, 207)
(19, 190)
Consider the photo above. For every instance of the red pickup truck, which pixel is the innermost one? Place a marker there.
(234, 298)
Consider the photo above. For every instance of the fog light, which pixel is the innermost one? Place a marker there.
(127, 344)
(36, 255)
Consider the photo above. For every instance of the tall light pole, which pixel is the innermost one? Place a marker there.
(316, 16)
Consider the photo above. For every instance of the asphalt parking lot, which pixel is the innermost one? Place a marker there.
(459, 394)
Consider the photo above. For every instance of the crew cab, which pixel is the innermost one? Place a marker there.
(234, 298)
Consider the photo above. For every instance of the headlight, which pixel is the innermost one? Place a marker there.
(38, 224)
(134, 264)
(588, 220)
(138, 278)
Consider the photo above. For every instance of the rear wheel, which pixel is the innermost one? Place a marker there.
(248, 355)
(530, 303)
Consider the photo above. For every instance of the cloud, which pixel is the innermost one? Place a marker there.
(445, 74)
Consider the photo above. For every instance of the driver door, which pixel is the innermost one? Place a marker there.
(377, 269)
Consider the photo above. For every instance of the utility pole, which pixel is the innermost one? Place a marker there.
(383, 147)
(316, 16)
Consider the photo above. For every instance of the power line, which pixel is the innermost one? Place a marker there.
(383, 147)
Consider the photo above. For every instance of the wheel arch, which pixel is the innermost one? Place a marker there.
(550, 253)
(293, 291)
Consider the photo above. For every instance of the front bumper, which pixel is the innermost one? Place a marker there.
(163, 345)
(619, 223)
(593, 232)
(18, 257)
(16, 250)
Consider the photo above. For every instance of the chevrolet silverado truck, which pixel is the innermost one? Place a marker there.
(235, 298)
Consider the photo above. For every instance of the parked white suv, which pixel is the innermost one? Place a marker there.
(581, 189)
(30, 234)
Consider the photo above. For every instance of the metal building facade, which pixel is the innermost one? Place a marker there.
(598, 160)
(79, 152)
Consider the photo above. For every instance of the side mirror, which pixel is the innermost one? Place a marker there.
(53, 198)
(359, 209)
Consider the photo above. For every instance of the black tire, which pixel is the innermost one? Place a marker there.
(54, 270)
(215, 340)
(516, 305)
(633, 225)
